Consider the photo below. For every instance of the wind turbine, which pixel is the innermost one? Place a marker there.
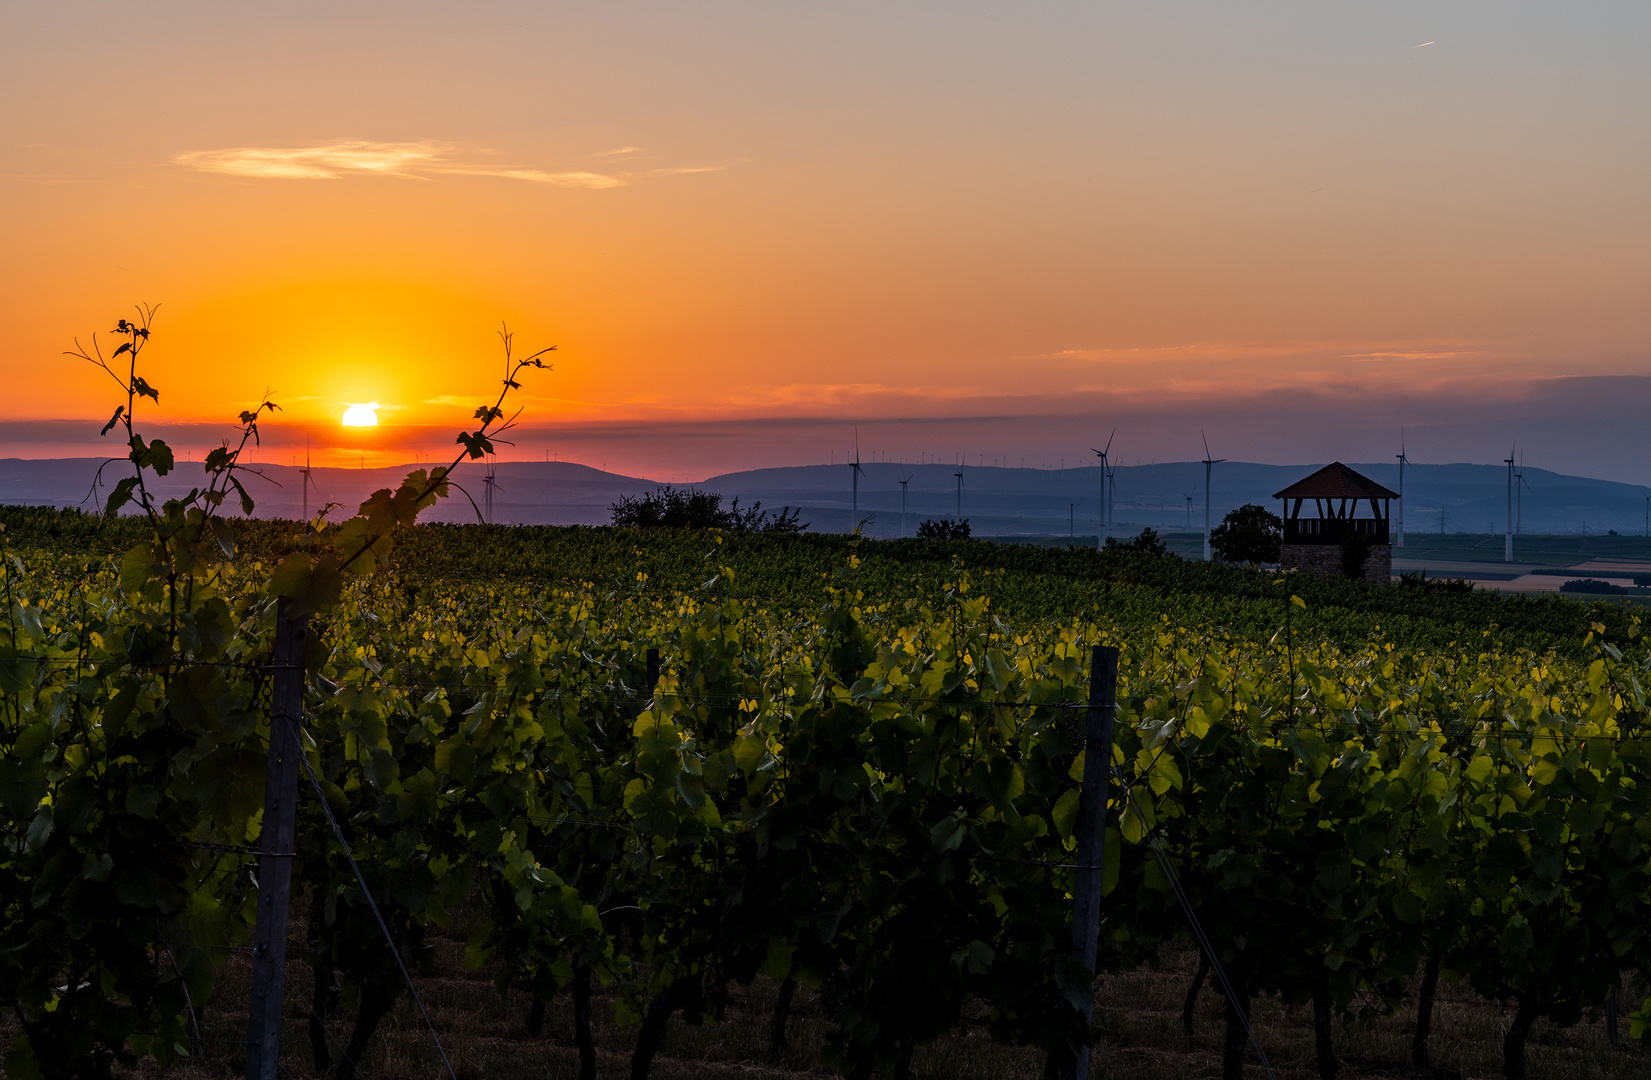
(1519, 486)
(1402, 462)
(903, 484)
(1209, 463)
(305, 471)
(1507, 548)
(1188, 496)
(959, 475)
(855, 472)
(1100, 541)
(490, 481)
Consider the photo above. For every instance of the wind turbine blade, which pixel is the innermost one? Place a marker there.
(1201, 435)
(1109, 439)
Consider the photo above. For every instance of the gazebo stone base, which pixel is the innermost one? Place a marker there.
(1329, 560)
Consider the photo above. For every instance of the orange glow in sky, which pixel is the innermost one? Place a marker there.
(727, 212)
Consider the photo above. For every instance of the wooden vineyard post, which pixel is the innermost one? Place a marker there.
(1091, 832)
(269, 938)
(653, 670)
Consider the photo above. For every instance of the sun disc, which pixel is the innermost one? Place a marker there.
(362, 415)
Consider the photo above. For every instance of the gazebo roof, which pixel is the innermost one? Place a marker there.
(1336, 481)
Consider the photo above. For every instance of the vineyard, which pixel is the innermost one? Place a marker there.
(649, 767)
(871, 791)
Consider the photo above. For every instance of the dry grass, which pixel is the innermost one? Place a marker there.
(1138, 1015)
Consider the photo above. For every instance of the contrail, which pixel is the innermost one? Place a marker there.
(1424, 44)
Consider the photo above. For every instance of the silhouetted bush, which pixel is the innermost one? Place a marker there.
(1418, 579)
(1148, 542)
(1590, 585)
(673, 508)
(943, 529)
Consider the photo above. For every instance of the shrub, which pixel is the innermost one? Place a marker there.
(690, 508)
(1590, 585)
(943, 529)
(1148, 542)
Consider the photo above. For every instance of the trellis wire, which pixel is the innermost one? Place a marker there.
(1197, 927)
(361, 880)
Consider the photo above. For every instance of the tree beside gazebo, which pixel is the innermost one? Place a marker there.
(1250, 534)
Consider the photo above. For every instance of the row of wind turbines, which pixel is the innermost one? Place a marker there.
(1515, 508)
(1516, 488)
(1108, 491)
(856, 522)
(1516, 497)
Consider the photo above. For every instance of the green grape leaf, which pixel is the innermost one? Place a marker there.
(21, 1063)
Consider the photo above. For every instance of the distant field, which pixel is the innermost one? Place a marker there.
(1542, 564)
(1482, 551)
(1527, 549)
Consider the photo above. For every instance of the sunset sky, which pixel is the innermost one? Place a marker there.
(992, 229)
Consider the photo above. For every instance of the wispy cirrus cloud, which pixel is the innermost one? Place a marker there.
(410, 160)
(1421, 354)
(326, 162)
(539, 176)
(1274, 350)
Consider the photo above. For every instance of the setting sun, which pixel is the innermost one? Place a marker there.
(362, 415)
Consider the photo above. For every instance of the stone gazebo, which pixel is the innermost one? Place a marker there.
(1338, 543)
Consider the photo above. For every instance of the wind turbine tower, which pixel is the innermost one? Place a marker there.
(305, 471)
(959, 475)
(1106, 519)
(903, 484)
(1209, 463)
(1402, 462)
(1519, 486)
(1188, 496)
(1111, 471)
(1507, 547)
(490, 481)
(854, 476)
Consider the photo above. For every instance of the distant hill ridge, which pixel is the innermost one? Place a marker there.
(997, 500)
